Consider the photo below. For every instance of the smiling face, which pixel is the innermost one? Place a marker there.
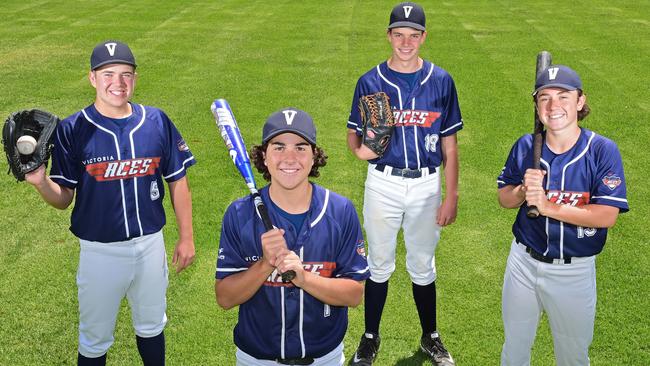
(558, 108)
(289, 159)
(406, 43)
(114, 85)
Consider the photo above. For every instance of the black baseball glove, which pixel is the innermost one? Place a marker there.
(378, 122)
(38, 124)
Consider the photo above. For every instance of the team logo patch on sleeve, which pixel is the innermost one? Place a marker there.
(361, 248)
(182, 146)
(612, 181)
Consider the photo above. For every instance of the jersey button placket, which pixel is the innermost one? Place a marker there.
(290, 237)
(292, 321)
(129, 186)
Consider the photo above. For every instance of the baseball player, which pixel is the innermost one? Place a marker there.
(317, 235)
(113, 156)
(403, 187)
(579, 192)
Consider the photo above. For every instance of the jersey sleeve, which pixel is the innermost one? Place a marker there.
(513, 171)
(351, 261)
(65, 170)
(452, 120)
(609, 181)
(229, 258)
(177, 155)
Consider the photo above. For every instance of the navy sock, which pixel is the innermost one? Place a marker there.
(425, 301)
(375, 298)
(152, 350)
(87, 361)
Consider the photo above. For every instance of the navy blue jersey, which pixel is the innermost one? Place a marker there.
(428, 112)
(117, 170)
(281, 320)
(591, 172)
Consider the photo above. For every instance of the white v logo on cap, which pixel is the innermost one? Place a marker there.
(111, 48)
(407, 10)
(552, 73)
(289, 115)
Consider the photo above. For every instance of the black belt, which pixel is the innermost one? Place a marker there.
(404, 173)
(295, 361)
(542, 258)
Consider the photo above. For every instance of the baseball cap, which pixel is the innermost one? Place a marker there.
(558, 76)
(289, 120)
(111, 52)
(407, 14)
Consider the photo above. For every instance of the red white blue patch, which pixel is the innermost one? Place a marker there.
(612, 181)
(182, 146)
(361, 248)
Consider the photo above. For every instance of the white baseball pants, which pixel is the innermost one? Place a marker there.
(391, 203)
(566, 292)
(107, 272)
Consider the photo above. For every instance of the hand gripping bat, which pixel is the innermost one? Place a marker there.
(237, 149)
(543, 61)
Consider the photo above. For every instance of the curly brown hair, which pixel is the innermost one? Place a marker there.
(582, 114)
(257, 156)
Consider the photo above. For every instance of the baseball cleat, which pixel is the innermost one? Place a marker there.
(367, 351)
(431, 344)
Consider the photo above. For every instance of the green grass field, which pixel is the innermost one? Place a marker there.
(265, 55)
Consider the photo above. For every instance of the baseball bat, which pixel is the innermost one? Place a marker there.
(237, 149)
(544, 60)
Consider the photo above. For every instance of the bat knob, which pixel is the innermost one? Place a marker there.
(533, 212)
(288, 276)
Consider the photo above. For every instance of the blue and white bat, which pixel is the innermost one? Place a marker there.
(238, 153)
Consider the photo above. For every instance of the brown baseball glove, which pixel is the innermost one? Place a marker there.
(378, 122)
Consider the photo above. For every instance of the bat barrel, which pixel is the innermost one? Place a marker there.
(231, 136)
(544, 60)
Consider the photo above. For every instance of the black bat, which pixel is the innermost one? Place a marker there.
(237, 149)
(544, 60)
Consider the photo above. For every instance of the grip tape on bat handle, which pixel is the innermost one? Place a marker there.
(533, 211)
(544, 60)
(288, 275)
